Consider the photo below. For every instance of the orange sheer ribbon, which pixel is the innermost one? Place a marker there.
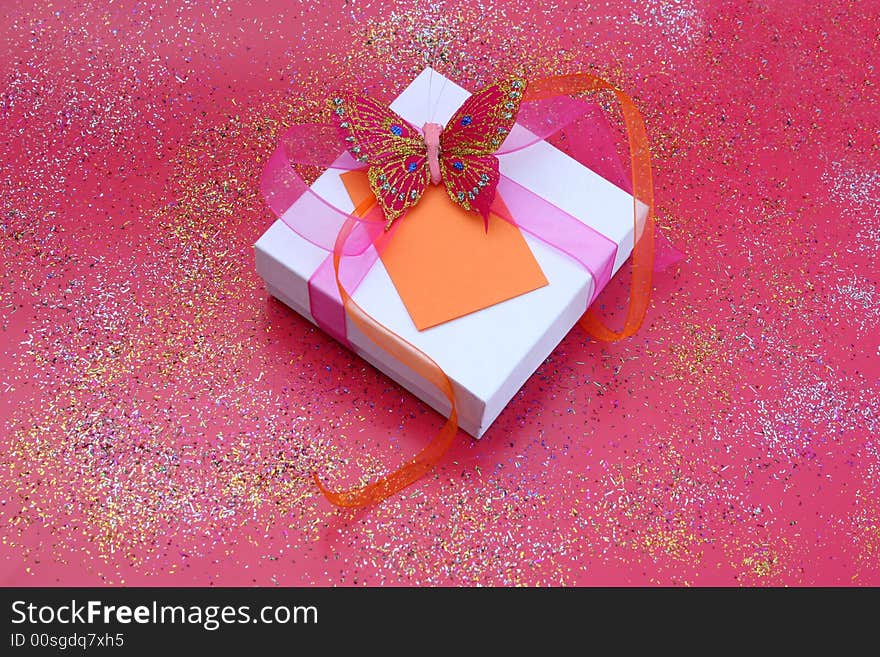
(422, 364)
(643, 191)
(409, 355)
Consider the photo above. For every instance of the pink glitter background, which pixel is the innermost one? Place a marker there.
(160, 415)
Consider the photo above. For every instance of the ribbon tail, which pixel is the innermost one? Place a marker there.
(411, 356)
(392, 483)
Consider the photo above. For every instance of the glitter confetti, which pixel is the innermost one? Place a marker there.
(161, 416)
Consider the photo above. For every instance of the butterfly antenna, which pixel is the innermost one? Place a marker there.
(432, 58)
(439, 96)
(430, 80)
(432, 110)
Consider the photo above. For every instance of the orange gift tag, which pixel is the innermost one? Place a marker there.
(445, 264)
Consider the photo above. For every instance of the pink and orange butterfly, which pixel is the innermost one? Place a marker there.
(397, 155)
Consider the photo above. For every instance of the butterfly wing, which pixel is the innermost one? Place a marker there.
(393, 150)
(475, 131)
(470, 180)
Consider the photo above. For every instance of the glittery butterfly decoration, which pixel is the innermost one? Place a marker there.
(402, 161)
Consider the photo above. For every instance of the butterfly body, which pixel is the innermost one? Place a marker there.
(402, 161)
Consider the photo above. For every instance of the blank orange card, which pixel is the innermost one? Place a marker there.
(445, 264)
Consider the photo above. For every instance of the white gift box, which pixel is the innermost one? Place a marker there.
(488, 355)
